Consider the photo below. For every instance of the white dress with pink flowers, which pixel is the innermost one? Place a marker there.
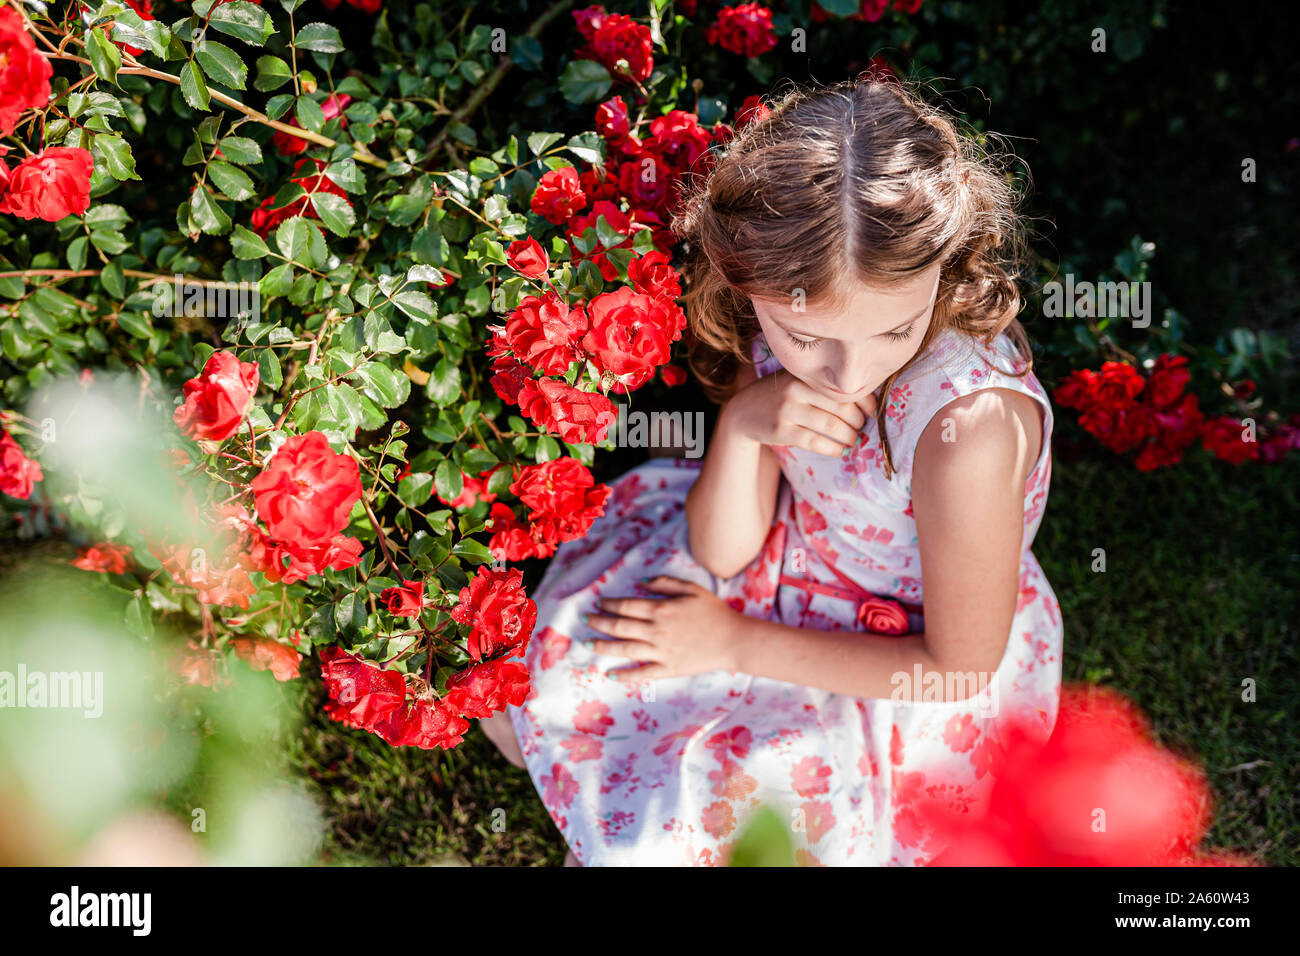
(669, 777)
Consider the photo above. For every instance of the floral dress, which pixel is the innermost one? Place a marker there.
(667, 773)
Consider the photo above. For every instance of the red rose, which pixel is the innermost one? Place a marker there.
(218, 399)
(338, 554)
(745, 29)
(51, 185)
(426, 724)
(286, 144)
(622, 46)
(1077, 390)
(263, 654)
(652, 274)
(600, 184)
(105, 558)
(1101, 753)
(1224, 436)
(558, 195)
(544, 332)
(24, 73)
(561, 494)
(361, 694)
(484, 689)
(882, 616)
(510, 381)
(528, 258)
(515, 540)
(679, 138)
(630, 333)
(752, 110)
(307, 491)
(588, 20)
(18, 473)
(1117, 385)
(578, 417)
(672, 375)
(499, 613)
(612, 120)
(646, 180)
(1167, 381)
(404, 601)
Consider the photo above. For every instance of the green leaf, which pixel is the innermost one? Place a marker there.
(272, 73)
(130, 28)
(222, 64)
(268, 365)
(247, 244)
(231, 180)
(335, 211)
(210, 217)
(276, 282)
(587, 147)
(416, 488)
(193, 87)
(584, 81)
(135, 323)
(320, 37)
(444, 385)
(241, 20)
(291, 238)
(383, 385)
(240, 150)
(417, 305)
(526, 52)
(77, 249)
(115, 154)
(539, 143)
(105, 58)
(469, 548)
(309, 114)
(448, 480)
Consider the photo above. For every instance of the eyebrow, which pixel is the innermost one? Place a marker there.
(900, 325)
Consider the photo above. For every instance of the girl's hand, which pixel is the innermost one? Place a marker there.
(690, 631)
(779, 409)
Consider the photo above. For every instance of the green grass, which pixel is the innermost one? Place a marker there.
(1198, 594)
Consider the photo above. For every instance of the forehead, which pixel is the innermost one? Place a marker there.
(876, 307)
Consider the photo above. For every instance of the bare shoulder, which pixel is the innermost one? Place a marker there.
(984, 434)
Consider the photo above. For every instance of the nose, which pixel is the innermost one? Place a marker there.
(851, 373)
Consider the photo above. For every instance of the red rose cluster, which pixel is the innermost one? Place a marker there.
(1156, 414)
(304, 497)
(617, 42)
(870, 11)
(562, 499)
(371, 698)
(18, 473)
(1041, 807)
(745, 29)
(50, 185)
(264, 219)
(105, 557)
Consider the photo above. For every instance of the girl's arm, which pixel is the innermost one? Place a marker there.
(968, 502)
(730, 507)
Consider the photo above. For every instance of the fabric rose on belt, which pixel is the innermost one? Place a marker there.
(882, 616)
(307, 491)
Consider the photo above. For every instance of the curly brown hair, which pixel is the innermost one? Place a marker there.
(862, 179)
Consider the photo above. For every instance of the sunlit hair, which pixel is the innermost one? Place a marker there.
(864, 180)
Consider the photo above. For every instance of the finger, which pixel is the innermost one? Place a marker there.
(816, 441)
(637, 673)
(634, 650)
(818, 419)
(627, 628)
(642, 609)
(668, 584)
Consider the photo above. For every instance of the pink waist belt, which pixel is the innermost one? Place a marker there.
(876, 614)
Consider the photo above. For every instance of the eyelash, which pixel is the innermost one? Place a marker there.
(893, 336)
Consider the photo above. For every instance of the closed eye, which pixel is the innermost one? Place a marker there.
(892, 336)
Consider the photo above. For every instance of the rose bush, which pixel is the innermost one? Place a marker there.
(446, 303)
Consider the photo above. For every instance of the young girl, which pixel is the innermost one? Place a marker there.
(827, 615)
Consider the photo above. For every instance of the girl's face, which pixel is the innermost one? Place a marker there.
(847, 355)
